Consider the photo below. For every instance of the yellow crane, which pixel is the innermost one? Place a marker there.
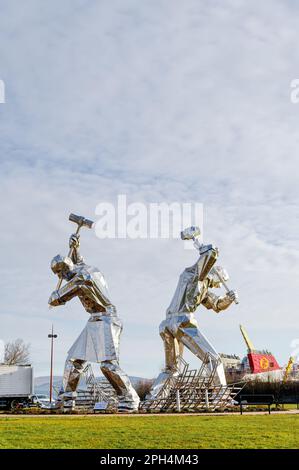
(288, 368)
(246, 339)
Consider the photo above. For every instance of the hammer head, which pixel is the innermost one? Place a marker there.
(190, 233)
(80, 220)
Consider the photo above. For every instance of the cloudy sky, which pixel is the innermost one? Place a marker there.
(163, 101)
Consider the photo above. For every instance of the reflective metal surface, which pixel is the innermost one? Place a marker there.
(99, 340)
(180, 327)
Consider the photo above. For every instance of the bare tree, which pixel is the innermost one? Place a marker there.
(16, 352)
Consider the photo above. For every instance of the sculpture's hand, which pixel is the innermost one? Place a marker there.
(233, 296)
(54, 299)
(74, 241)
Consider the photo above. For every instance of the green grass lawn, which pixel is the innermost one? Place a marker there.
(168, 432)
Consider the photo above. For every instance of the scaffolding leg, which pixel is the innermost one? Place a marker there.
(207, 399)
(178, 401)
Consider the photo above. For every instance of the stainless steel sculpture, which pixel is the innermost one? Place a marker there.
(99, 340)
(180, 327)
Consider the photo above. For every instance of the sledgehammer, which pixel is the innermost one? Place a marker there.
(81, 222)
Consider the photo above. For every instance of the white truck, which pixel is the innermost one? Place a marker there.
(16, 385)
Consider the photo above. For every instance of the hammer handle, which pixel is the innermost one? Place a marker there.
(69, 255)
(224, 283)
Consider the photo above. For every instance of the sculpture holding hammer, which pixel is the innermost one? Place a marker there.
(99, 340)
(180, 328)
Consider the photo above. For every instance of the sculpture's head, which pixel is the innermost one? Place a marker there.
(62, 266)
(214, 279)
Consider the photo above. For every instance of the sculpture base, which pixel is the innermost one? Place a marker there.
(187, 390)
(191, 390)
(95, 392)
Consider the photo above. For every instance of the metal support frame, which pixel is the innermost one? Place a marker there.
(95, 391)
(196, 390)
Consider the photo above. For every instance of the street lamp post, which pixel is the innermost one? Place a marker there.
(52, 336)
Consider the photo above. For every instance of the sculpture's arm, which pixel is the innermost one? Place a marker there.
(74, 244)
(198, 282)
(67, 292)
(218, 303)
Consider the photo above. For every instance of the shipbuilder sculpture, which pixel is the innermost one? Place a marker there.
(99, 340)
(180, 327)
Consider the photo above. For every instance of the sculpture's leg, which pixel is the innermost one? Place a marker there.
(173, 349)
(71, 376)
(128, 398)
(199, 345)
